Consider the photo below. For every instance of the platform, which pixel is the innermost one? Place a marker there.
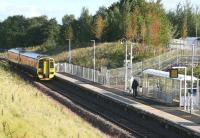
(173, 115)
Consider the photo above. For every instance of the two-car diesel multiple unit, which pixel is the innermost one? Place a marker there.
(40, 65)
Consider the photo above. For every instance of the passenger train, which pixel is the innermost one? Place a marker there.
(40, 65)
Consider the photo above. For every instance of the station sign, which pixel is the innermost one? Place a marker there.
(173, 73)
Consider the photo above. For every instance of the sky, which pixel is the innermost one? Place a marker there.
(58, 8)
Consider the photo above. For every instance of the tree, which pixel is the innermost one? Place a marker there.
(130, 30)
(184, 32)
(184, 20)
(68, 20)
(14, 30)
(99, 27)
(85, 26)
(35, 33)
(51, 31)
(114, 29)
(68, 31)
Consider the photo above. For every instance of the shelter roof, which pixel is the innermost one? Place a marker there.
(164, 74)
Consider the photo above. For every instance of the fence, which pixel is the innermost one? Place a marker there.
(86, 73)
(161, 62)
(115, 78)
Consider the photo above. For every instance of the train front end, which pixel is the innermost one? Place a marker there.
(46, 68)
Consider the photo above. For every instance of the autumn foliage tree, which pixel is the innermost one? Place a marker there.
(99, 27)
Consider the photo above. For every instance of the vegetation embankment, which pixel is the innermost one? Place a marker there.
(3, 54)
(27, 113)
(110, 55)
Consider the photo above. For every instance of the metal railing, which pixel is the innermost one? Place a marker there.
(161, 62)
(86, 73)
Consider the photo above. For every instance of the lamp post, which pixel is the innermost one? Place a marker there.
(126, 68)
(131, 57)
(185, 92)
(69, 55)
(93, 59)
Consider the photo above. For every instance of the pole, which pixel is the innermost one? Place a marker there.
(126, 68)
(131, 60)
(70, 56)
(69, 51)
(191, 93)
(185, 86)
(94, 60)
(185, 89)
(177, 55)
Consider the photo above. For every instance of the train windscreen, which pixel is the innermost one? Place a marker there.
(51, 64)
(40, 64)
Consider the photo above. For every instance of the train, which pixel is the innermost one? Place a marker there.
(42, 66)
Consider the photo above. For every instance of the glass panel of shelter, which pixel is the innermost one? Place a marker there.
(159, 87)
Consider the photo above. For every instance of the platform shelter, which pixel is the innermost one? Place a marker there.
(157, 84)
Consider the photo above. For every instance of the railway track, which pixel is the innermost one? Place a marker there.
(99, 105)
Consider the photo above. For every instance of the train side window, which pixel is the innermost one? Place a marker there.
(40, 64)
(51, 64)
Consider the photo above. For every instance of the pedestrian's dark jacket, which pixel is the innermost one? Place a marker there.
(135, 84)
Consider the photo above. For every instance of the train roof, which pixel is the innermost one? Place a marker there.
(31, 54)
(15, 50)
(27, 53)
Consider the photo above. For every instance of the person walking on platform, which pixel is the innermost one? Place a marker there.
(134, 87)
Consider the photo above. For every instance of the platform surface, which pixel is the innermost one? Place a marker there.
(168, 113)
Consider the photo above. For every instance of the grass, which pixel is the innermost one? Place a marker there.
(27, 113)
(3, 54)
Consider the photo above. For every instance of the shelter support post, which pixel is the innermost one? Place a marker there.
(180, 89)
(185, 89)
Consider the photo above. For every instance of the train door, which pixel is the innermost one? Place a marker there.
(43, 69)
(52, 69)
(40, 69)
(46, 68)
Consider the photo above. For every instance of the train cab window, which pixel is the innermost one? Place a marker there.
(51, 64)
(40, 64)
